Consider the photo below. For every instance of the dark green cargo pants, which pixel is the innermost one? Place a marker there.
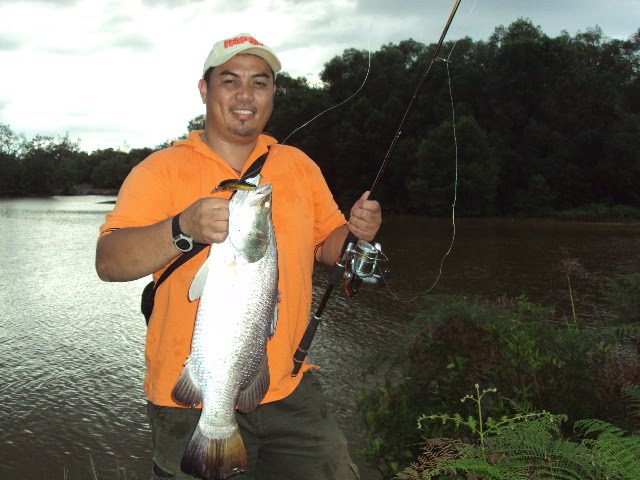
(296, 438)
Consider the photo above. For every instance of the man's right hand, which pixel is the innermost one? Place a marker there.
(206, 220)
(131, 253)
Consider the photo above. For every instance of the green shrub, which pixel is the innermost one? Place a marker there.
(623, 298)
(529, 356)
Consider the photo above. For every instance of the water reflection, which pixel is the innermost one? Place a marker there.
(71, 346)
(71, 356)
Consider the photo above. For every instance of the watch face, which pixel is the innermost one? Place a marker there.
(183, 244)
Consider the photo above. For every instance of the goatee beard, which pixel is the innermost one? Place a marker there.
(242, 131)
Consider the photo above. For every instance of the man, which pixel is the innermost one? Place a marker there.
(166, 204)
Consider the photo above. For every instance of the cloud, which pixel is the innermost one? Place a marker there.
(169, 3)
(175, 4)
(136, 43)
(49, 3)
(130, 42)
(98, 54)
(397, 9)
(116, 22)
(8, 43)
(4, 103)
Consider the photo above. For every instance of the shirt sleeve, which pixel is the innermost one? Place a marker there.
(328, 216)
(144, 199)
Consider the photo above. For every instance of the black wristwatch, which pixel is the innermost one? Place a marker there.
(181, 240)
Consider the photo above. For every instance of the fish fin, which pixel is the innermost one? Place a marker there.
(214, 458)
(274, 321)
(252, 394)
(187, 392)
(197, 284)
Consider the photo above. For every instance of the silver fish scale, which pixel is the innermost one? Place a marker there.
(234, 320)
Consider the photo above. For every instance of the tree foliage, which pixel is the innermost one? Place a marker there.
(541, 125)
(46, 165)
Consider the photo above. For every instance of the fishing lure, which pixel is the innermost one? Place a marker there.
(233, 184)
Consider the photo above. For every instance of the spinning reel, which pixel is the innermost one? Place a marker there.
(360, 262)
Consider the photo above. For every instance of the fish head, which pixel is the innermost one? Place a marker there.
(250, 227)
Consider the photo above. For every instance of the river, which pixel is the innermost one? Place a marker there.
(72, 347)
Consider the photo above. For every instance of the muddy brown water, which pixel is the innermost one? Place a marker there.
(72, 347)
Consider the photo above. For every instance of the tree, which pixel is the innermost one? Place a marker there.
(544, 124)
(10, 167)
(196, 123)
(111, 168)
(49, 165)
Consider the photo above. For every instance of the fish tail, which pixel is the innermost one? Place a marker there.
(214, 458)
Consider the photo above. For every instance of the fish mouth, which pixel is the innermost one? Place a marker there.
(251, 195)
(262, 194)
(262, 189)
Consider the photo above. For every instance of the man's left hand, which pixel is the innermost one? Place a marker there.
(365, 218)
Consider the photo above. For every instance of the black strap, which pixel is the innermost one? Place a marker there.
(252, 171)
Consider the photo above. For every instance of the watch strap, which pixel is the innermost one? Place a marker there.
(175, 226)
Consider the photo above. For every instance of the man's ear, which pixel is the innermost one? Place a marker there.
(202, 86)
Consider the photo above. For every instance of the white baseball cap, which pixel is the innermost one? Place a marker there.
(241, 43)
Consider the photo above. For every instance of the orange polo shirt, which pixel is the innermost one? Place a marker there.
(304, 214)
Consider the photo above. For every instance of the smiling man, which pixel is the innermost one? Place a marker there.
(165, 206)
(239, 99)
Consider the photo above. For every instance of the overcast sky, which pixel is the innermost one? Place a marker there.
(114, 73)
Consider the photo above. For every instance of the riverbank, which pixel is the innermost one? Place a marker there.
(597, 212)
(89, 190)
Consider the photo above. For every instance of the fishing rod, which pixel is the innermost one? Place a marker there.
(358, 260)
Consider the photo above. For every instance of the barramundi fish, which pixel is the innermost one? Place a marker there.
(237, 314)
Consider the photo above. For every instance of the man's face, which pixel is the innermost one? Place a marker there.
(239, 98)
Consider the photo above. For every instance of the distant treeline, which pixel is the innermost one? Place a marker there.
(542, 125)
(46, 166)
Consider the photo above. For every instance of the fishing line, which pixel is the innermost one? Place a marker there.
(249, 174)
(456, 41)
(455, 182)
(334, 106)
(353, 250)
(344, 101)
(446, 61)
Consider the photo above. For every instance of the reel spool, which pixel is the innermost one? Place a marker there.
(361, 265)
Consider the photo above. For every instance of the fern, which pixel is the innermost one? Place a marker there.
(460, 458)
(613, 451)
(546, 455)
(632, 396)
(524, 446)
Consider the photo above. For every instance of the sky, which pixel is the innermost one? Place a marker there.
(123, 74)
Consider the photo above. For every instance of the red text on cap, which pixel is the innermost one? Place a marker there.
(240, 40)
